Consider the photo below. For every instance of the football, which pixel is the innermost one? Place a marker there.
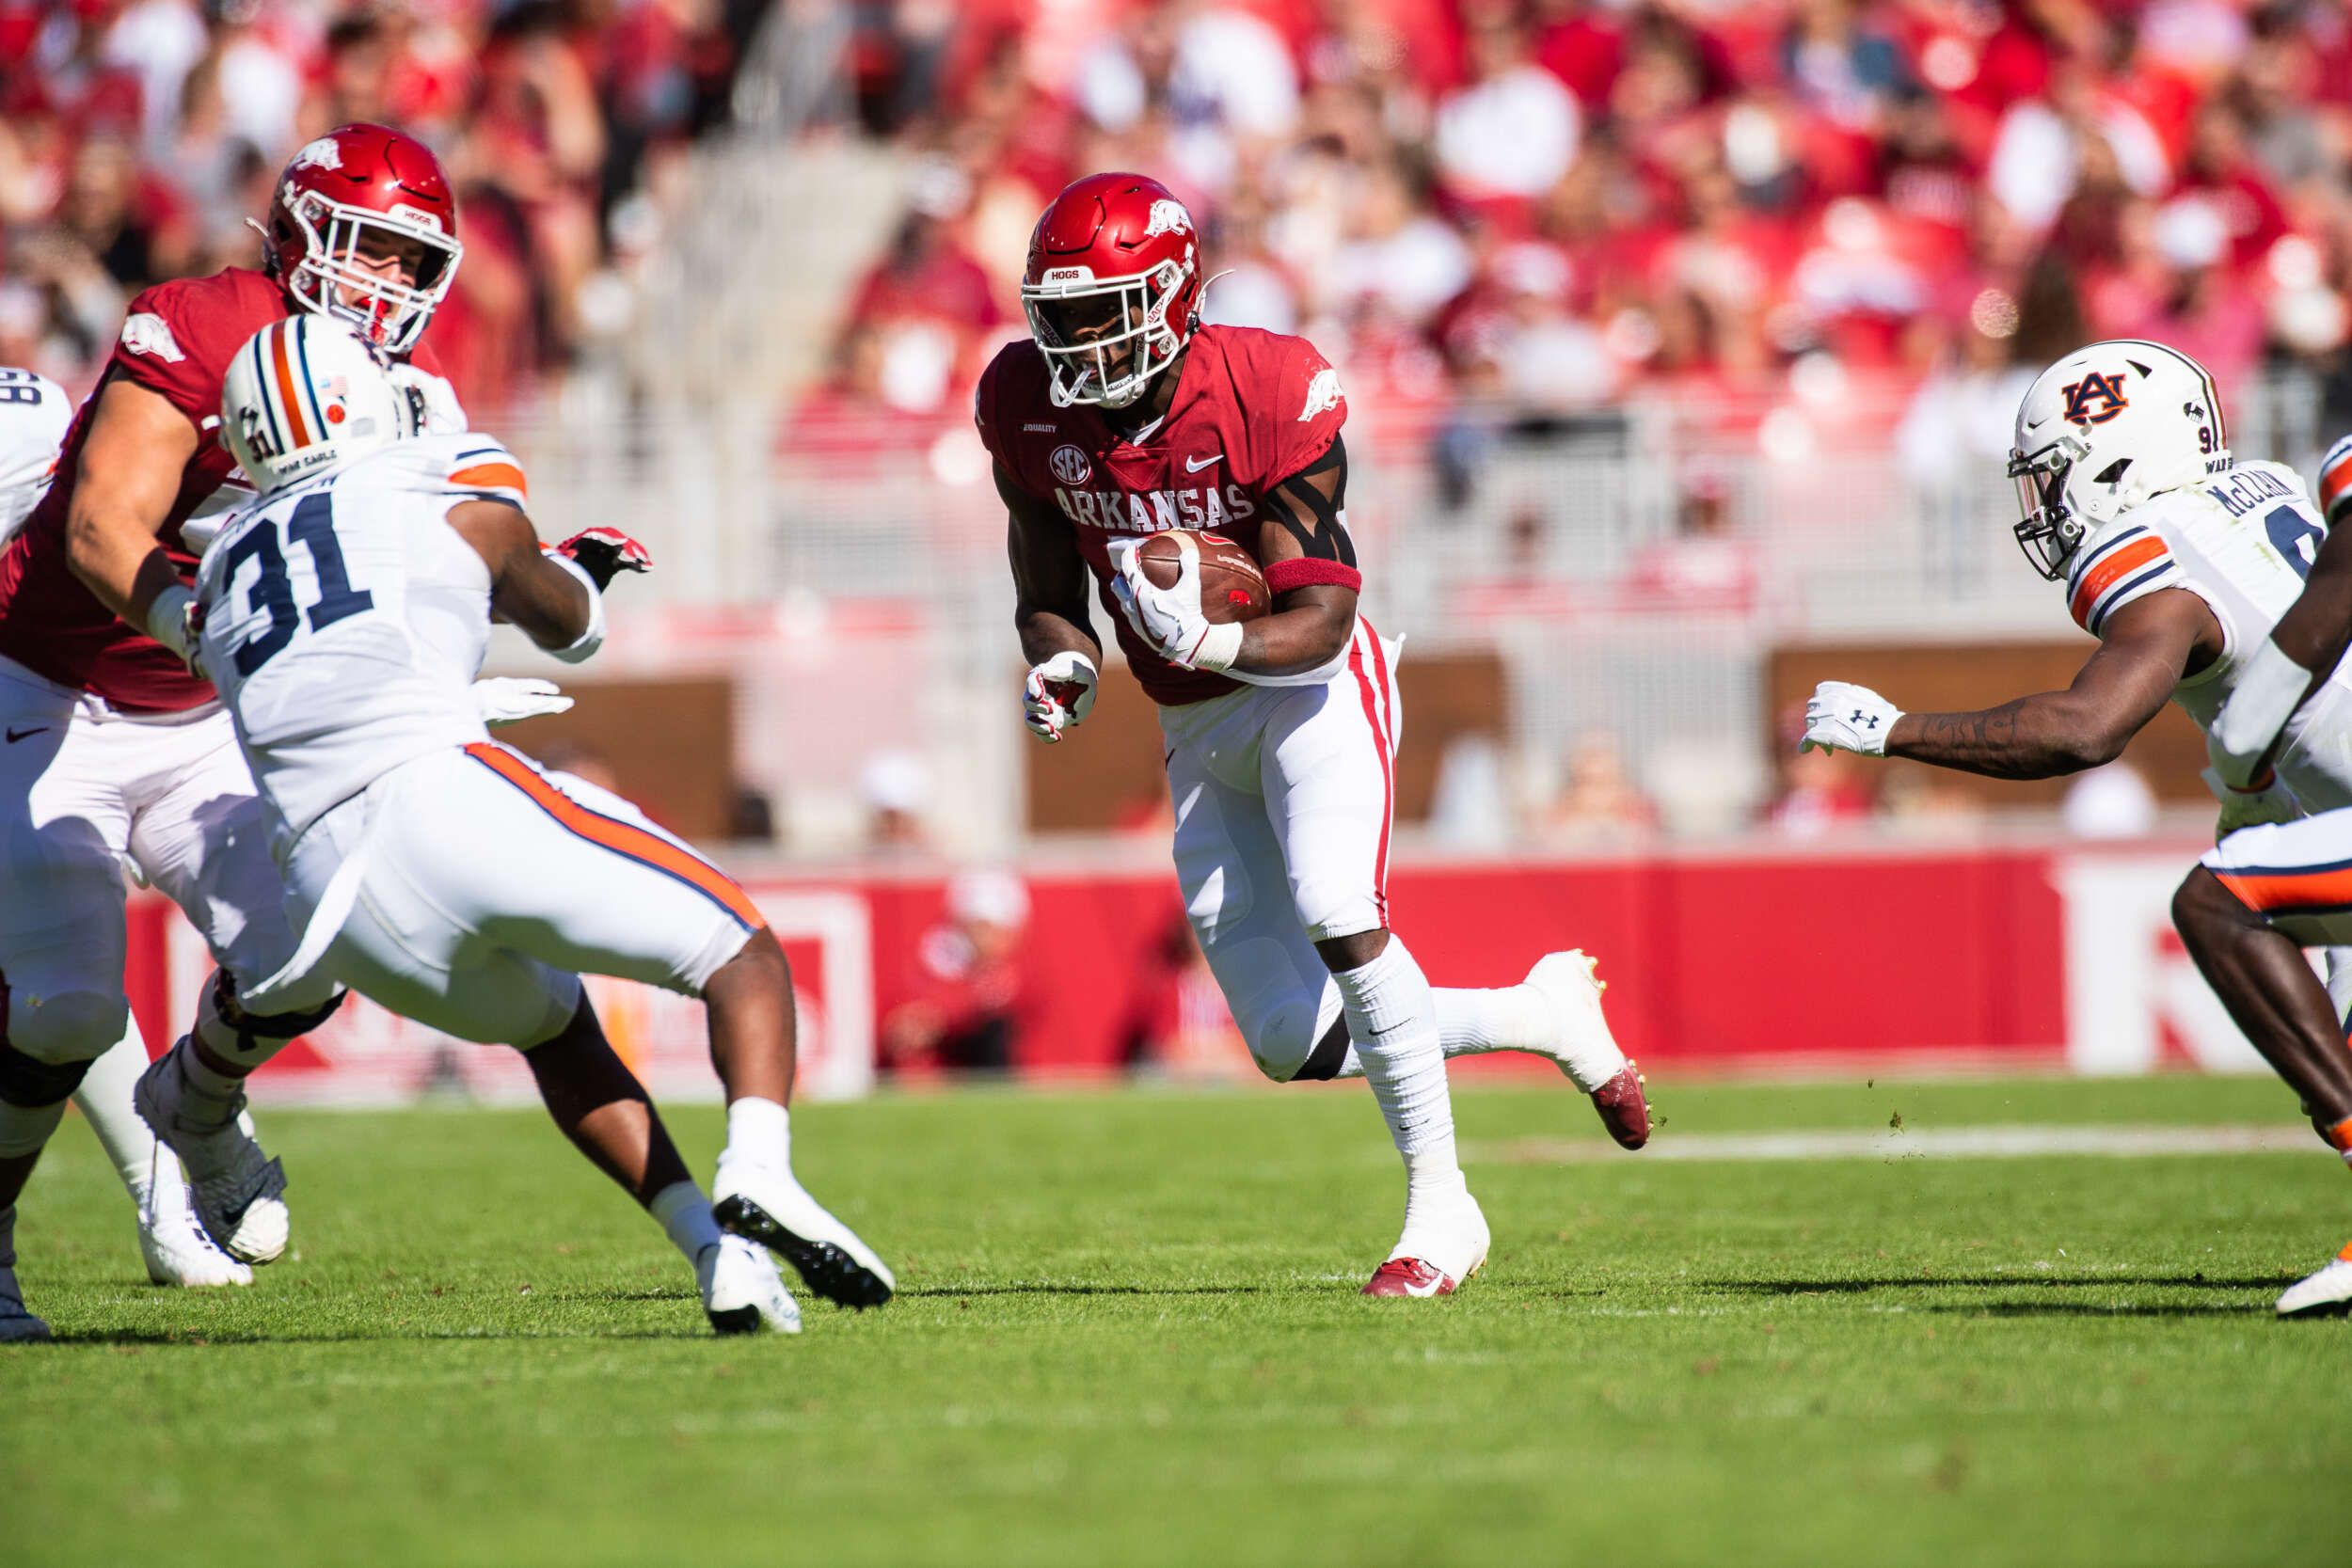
(1231, 586)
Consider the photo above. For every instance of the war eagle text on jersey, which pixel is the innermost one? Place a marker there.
(1250, 409)
(177, 342)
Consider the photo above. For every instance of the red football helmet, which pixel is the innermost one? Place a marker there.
(355, 185)
(1113, 287)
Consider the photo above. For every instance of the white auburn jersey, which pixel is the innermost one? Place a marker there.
(35, 414)
(2242, 539)
(344, 619)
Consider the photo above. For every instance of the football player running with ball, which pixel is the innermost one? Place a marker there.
(344, 615)
(1122, 418)
(2187, 567)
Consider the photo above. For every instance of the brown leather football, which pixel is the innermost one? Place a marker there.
(1231, 586)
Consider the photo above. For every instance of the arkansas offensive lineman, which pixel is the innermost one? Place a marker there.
(114, 749)
(1124, 416)
(35, 414)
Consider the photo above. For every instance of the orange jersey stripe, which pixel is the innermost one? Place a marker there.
(2333, 481)
(284, 368)
(492, 476)
(2289, 889)
(624, 837)
(2110, 572)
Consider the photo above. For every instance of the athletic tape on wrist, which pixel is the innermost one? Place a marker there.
(591, 639)
(167, 618)
(1217, 649)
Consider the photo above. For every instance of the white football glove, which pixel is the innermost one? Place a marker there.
(1170, 618)
(505, 700)
(2250, 808)
(1843, 717)
(1059, 694)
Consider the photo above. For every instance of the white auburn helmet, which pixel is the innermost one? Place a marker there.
(303, 395)
(2103, 430)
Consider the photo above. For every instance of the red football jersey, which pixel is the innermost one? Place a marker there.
(176, 342)
(1251, 408)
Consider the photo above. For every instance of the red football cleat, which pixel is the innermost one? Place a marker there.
(1624, 1110)
(1408, 1277)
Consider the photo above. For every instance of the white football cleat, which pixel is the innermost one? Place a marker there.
(742, 1290)
(772, 1208)
(2321, 1294)
(1445, 1242)
(1584, 1049)
(18, 1326)
(239, 1192)
(173, 1241)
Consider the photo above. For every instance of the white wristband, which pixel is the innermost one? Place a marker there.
(1217, 649)
(2268, 690)
(590, 641)
(167, 619)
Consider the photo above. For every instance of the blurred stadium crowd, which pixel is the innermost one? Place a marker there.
(1551, 206)
(137, 136)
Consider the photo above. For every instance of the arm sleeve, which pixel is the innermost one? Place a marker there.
(2130, 563)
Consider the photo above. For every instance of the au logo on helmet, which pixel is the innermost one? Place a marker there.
(2104, 391)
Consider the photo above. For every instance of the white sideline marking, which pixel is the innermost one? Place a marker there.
(1925, 1142)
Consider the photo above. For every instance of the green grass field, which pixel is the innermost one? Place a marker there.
(1129, 1333)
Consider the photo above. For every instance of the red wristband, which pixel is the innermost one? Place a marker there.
(1283, 575)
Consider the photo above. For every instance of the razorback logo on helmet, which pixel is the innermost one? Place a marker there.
(2108, 390)
(321, 153)
(149, 334)
(1070, 464)
(1168, 217)
(1321, 393)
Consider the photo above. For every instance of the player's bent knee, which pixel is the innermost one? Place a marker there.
(2203, 908)
(1282, 1038)
(63, 1026)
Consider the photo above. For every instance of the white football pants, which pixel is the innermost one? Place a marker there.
(85, 787)
(1284, 797)
(474, 888)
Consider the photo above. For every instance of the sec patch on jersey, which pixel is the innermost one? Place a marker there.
(1231, 586)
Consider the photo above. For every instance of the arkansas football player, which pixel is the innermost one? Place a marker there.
(1122, 418)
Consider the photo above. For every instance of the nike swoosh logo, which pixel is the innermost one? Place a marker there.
(16, 735)
(1193, 467)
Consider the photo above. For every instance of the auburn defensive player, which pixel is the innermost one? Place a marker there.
(2189, 567)
(114, 749)
(1124, 416)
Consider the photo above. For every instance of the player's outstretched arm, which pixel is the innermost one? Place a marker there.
(555, 607)
(2146, 647)
(1303, 543)
(125, 484)
(2281, 674)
